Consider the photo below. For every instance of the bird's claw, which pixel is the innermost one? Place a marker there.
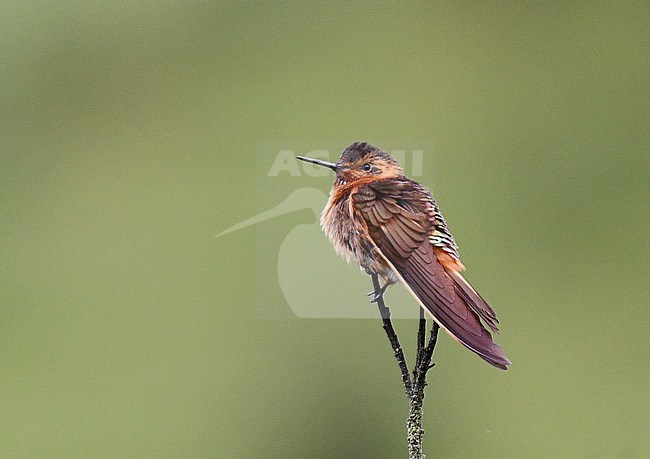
(376, 295)
(373, 296)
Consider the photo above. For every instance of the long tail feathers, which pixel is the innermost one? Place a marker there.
(474, 300)
(454, 304)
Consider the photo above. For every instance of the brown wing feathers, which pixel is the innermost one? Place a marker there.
(465, 290)
(402, 236)
(451, 311)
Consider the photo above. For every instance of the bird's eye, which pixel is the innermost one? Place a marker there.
(366, 167)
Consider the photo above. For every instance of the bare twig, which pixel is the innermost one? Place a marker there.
(415, 431)
(413, 385)
(392, 336)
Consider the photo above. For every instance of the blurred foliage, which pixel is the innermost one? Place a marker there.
(129, 137)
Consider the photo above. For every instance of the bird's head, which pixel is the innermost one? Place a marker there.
(361, 163)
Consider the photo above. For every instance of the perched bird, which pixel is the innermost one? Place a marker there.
(392, 227)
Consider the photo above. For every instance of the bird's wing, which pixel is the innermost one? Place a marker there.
(398, 223)
(446, 251)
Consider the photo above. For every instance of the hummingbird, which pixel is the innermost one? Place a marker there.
(392, 227)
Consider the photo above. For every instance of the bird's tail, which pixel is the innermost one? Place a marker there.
(455, 305)
(474, 300)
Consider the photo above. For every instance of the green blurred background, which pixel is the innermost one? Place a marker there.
(129, 138)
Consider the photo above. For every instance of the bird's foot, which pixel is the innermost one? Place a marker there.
(375, 295)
